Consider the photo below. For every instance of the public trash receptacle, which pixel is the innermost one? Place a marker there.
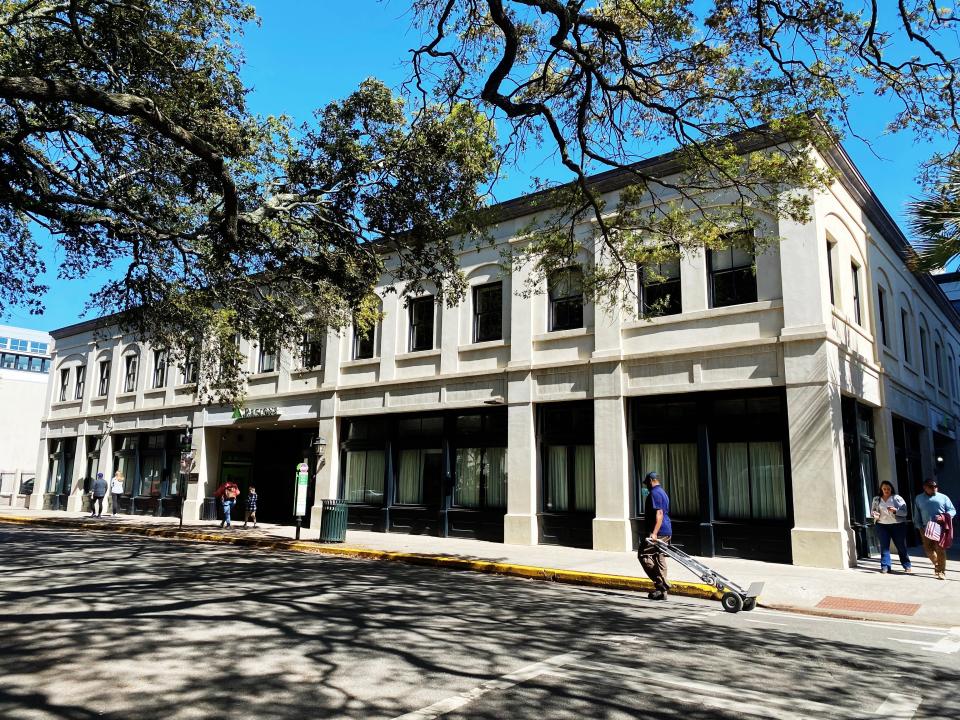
(333, 521)
(209, 508)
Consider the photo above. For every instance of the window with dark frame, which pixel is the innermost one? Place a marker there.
(830, 246)
(421, 323)
(363, 343)
(660, 288)
(905, 330)
(268, 359)
(937, 351)
(733, 277)
(311, 353)
(923, 351)
(855, 278)
(64, 383)
(565, 289)
(159, 368)
(130, 373)
(81, 375)
(103, 381)
(190, 366)
(488, 312)
(882, 314)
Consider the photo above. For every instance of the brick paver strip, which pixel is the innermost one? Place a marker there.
(871, 606)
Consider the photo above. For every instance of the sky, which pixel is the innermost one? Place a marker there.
(306, 53)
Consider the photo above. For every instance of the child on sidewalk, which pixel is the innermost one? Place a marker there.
(251, 507)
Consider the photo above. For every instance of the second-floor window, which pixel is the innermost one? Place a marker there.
(488, 312)
(363, 343)
(937, 351)
(830, 246)
(855, 279)
(103, 381)
(905, 329)
(882, 314)
(311, 354)
(268, 359)
(733, 279)
(923, 351)
(81, 376)
(159, 368)
(131, 366)
(64, 383)
(421, 324)
(565, 289)
(660, 288)
(190, 366)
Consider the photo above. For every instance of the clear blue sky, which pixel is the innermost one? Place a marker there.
(308, 52)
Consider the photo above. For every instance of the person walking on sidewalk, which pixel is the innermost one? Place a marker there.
(227, 493)
(98, 491)
(251, 507)
(116, 490)
(933, 515)
(890, 521)
(656, 521)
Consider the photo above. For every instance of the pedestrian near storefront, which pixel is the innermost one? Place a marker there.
(657, 526)
(228, 493)
(251, 507)
(116, 490)
(890, 513)
(98, 491)
(933, 515)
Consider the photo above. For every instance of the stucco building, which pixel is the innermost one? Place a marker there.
(24, 369)
(772, 395)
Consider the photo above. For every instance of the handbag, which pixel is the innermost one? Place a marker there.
(933, 531)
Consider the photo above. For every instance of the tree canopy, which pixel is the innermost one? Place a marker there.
(124, 132)
(610, 83)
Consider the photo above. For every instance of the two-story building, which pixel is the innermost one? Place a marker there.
(772, 394)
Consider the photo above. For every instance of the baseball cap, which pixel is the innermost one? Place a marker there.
(651, 476)
(930, 481)
(99, 476)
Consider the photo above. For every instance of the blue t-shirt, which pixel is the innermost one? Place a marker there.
(657, 500)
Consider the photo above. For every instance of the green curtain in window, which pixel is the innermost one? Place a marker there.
(583, 477)
(466, 491)
(410, 482)
(733, 481)
(152, 473)
(681, 482)
(376, 464)
(128, 466)
(496, 459)
(557, 478)
(353, 492)
(653, 458)
(766, 481)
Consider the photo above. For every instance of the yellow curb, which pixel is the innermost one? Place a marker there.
(573, 577)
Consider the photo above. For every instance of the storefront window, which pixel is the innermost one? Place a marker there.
(364, 477)
(481, 478)
(569, 474)
(676, 464)
(417, 468)
(750, 482)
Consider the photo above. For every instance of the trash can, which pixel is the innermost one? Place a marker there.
(209, 508)
(333, 521)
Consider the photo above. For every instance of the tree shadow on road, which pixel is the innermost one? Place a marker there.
(136, 628)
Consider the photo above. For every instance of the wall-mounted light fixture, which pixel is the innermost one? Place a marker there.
(320, 448)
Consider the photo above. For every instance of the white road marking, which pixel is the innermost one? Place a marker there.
(765, 622)
(948, 644)
(898, 706)
(456, 702)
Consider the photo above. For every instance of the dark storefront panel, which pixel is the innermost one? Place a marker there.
(275, 458)
(723, 458)
(906, 443)
(861, 461)
(426, 473)
(150, 463)
(568, 492)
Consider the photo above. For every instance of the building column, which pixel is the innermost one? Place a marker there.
(206, 461)
(328, 475)
(612, 529)
(520, 525)
(821, 536)
(35, 500)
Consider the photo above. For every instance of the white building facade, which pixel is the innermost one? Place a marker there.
(24, 371)
(771, 400)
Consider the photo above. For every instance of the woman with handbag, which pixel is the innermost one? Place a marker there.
(227, 493)
(890, 521)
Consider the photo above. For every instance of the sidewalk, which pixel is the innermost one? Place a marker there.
(860, 592)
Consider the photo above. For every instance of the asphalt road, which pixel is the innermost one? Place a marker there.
(95, 625)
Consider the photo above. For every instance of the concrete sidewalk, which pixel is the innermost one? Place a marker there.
(860, 592)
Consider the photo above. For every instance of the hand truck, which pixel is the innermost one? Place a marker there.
(734, 598)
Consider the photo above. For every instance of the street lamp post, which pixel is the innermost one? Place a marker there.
(186, 464)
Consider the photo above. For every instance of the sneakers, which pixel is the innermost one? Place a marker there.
(657, 595)
(884, 570)
(908, 570)
(940, 576)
